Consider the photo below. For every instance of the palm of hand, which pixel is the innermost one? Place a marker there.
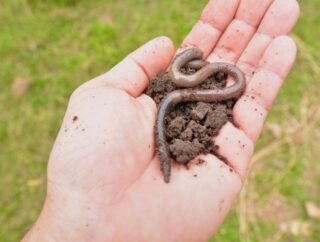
(103, 163)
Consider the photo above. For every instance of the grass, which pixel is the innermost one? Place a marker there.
(48, 48)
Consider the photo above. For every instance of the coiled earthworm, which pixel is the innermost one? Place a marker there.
(192, 56)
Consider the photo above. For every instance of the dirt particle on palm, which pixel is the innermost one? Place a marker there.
(74, 118)
(190, 126)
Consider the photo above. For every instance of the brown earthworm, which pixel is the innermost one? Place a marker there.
(186, 95)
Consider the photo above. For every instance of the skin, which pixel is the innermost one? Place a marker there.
(178, 96)
(105, 183)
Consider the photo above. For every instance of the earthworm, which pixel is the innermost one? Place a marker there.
(192, 58)
(186, 95)
(198, 64)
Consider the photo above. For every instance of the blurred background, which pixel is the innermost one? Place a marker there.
(48, 48)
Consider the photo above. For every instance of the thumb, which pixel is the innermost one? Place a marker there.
(133, 73)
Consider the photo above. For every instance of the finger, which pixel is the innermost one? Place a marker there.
(240, 31)
(279, 20)
(235, 146)
(252, 11)
(251, 109)
(214, 19)
(133, 73)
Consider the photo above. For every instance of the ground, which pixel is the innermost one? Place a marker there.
(48, 48)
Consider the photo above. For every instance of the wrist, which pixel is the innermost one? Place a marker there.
(53, 225)
(45, 228)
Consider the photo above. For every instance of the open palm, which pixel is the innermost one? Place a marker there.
(104, 179)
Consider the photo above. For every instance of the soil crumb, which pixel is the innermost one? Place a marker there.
(75, 118)
(190, 126)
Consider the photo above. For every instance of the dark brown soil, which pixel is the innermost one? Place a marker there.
(191, 126)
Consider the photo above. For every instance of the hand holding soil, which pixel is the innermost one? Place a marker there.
(104, 178)
(180, 77)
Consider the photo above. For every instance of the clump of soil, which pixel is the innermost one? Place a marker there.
(190, 126)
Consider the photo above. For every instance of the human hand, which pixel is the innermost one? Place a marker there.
(104, 180)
